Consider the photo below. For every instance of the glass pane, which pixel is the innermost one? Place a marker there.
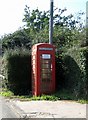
(46, 68)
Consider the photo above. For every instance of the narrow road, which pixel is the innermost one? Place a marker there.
(5, 110)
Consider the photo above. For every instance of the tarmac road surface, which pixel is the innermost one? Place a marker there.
(5, 110)
(43, 109)
(51, 109)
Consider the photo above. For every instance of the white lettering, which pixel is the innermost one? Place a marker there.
(45, 48)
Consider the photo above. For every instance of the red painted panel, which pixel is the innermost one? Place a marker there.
(43, 66)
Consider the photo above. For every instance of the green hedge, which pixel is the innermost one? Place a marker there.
(71, 71)
(18, 71)
(75, 71)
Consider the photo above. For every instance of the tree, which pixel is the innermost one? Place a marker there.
(36, 20)
(68, 30)
(16, 40)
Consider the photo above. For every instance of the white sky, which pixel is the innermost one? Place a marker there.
(12, 11)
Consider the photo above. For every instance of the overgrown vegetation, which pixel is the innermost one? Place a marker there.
(68, 30)
(71, 43)
(73, 75)
(60, 95)
(17, 71)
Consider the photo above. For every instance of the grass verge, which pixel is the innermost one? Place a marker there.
(61, 95)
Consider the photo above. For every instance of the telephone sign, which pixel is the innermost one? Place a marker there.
(45, 48)
(46, 56)
(43, 69)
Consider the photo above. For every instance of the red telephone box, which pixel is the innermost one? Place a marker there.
(43, 69)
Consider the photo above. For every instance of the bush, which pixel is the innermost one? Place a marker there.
(18, 71)
(75, 71)
(71, 71)
(60, 78)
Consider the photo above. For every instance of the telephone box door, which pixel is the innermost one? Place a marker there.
(46, 73)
